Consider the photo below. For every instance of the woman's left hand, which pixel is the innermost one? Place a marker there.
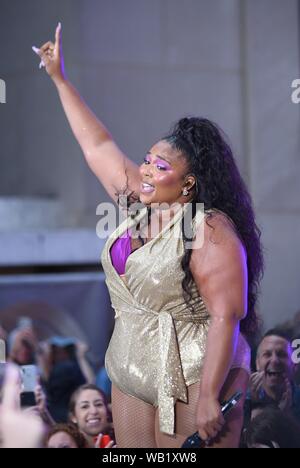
(107, 445)
(210, 420)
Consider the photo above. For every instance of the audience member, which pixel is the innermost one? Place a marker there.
(90, 412)
(65, 436)
(273, 383)
(273, 429)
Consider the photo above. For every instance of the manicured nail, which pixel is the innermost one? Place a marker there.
(35, 50)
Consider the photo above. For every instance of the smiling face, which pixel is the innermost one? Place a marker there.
(164, 175)
(90, 413)
(274, 358)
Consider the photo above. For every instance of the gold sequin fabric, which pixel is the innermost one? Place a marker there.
(158, 344)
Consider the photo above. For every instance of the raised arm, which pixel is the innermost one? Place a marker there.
(114, 170)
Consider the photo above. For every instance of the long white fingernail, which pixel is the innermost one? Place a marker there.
(41, 65)
(35, 49)
(59, 25)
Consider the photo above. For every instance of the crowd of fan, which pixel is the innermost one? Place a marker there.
(70, 410)
(72, 404)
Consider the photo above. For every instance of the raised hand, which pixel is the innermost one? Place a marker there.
(104, 441)
(52, 56)
(256, 385)
(286, 401)
(113, 169)
(18, 429)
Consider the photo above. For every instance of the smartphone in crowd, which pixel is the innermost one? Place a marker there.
(105, 440)
(2, 373)
(29, 381)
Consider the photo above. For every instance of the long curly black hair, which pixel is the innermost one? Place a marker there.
(220, 186)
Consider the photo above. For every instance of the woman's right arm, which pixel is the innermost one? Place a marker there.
(114, 170)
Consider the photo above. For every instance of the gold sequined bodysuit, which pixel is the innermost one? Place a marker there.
(158, 344)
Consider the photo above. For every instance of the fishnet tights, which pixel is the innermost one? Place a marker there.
(137, 425)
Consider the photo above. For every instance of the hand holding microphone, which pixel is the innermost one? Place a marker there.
(195, 441)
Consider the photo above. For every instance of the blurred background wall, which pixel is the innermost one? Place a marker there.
(140, 65)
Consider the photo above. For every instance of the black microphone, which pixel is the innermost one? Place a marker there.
(195, 441)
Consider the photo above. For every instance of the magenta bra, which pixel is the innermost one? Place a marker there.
(120, 251)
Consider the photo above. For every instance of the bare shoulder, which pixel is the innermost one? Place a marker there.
(219, 267)
(218, 242)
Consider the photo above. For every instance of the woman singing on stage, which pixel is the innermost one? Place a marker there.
(184, 304)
